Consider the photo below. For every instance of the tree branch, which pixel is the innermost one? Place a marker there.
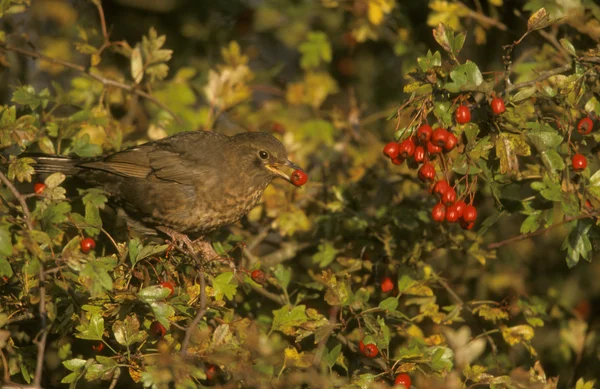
(543, 76)
(81, 69)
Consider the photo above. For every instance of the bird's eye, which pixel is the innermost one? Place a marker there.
(263, 154)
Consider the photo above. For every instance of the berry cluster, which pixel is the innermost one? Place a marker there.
(425, 144)
(578, 161)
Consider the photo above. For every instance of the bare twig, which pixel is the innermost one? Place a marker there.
(323, 342)
(542, 231)
(543, 76)
(485, 19)
(199, 315)
(41, 342)
(104, 80)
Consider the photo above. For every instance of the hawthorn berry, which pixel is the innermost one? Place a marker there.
(579, 162)
(449, 196)
(387, 285)
(403, 379)
(460, 207)
(465, 225)
(278, 128)
(361, 346)
(470, 213)
(87, 245)
(39, 187)
(211, 372)
(451, 142)
(433, 149)
(440, 187)
(397, 161)
(98, 347)
(258, 276)
(424, 133)
(299, 177)
(168, 285)
(406, 148)
(157, 329)
(419, 155)
(438, 212)
(427, 172)
(498, 106)
(391, 150)
(462, 114)
(370, 350)
(439, 136)
(452, 214)
(585, 126)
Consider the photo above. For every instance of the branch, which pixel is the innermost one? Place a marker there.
(41, 342)
(543, 76)
(104, 80)
(485, 19)
(542, 231)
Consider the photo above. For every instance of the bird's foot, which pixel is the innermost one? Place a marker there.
(181, 241)
(207, 251)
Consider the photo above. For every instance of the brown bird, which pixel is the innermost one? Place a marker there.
(189, 183)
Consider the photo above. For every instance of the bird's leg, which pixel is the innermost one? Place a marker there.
(179, 237)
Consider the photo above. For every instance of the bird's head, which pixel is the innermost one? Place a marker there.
(262, 156)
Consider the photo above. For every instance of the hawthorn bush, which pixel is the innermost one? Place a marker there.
(452, 260)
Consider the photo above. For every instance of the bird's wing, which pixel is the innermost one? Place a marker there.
(183, 158)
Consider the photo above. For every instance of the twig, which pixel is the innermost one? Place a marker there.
(199, 315)
(323, 342)
(543, 76)
(485, 19)
(104, 80)
(542, 231)
(41, 342)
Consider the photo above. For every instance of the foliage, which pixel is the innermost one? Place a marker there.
(507, 304)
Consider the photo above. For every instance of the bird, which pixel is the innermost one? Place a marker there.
(190, 183)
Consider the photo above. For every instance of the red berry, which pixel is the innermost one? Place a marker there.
(424, 133)
(460, 207)
(433, 149)
(397, 161)
(427, 172)
(387, 285)
(452, 214)
(403, 379)
(370, 351)
(449, 196)
(463, 114)
(87, 245)
(438, 212)
(439, 136)
(584, 126)
(498, 106)
(39, 187)
(440, 187)
(407, 148)
(588, 204)
(278, 128)
(157, 329)
(258, 276)
(451, 142)
(419, 155)
(168, 285)
(361, 346)
(299, 177)
(466, 225)
(391, 150)
(211, 372)
(98, 347)
(579, 162)
(470, 213)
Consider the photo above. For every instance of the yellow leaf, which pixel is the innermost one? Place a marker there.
(379, 8)
(137, 65)
(295, 93)
(517, 334)
(293, 358)
(480, 35)
(508, 148)
(419, 290)
(55, 48)
(496, 3)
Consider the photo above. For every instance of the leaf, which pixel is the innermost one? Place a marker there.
(293, 358)
(326, 254)
(508, 148)
(26, 95)
(283, 275)
(490, 313)
(578, 243)
(523, 94)
(314, 50)
(95, 275)
(568, 46)
(531, 223)
(330, 357)
(377, 9)
(552, 161)
(6, 246)
(464, 77)
(93, 329)
(223, 287)
(444, 36)
(5, 269)
(404, 283)
(543, 136)
(540, 19)
(127, 332)
(430, 61)
(21, 169)
(286, 318)
(389, 304)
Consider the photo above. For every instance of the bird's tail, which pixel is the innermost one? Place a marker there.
(48, 164)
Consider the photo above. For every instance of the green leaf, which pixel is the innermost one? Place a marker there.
(445, 37)
(127, 332)
(74, 364)
(26, 95)
(21, 169)
(543, 136)
(326, 254)
(466, 76)
(568, 46)
(95, 275)
(223, 286)
(286, 318)
(314, 50)
(531, 223)
(552, 161)
(6, 246)
(283, 275)
(429, 61)
(93, 329)
(83, 148)
(404, 283)
(508, 148)
(152, 293)
(5, 269)
(389, 304)
(330, 357)
(577, 244)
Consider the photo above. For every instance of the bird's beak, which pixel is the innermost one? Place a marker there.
(275, 169)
